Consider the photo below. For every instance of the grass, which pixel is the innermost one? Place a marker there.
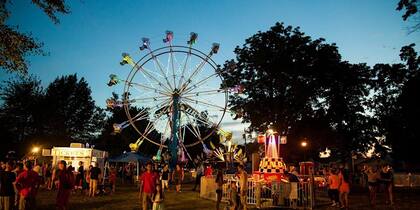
(126, 197)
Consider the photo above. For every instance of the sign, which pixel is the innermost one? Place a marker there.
(71, 152)
(46, 152)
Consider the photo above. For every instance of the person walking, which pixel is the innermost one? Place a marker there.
(199, 174)
(65, 185)
(243, 187)
(233, 196)
(147, 186)
(387, 177)
(344, 188)
(333, 184)
(113, 178)
(219, 187)
(48, 177)
(27, 184)
(178, 177)
(18, 170)
(373, 176)
(165, 177)
(95, 174)
(7, 191)
(80, 176)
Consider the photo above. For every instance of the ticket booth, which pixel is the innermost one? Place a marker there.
(76, 153)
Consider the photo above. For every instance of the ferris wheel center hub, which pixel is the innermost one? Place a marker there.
(175, 93)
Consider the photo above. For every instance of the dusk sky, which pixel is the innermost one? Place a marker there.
(90, 40)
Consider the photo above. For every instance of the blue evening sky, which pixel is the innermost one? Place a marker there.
(90, 40)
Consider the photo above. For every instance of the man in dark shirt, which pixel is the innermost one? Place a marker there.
(7, 191)
(95, 173)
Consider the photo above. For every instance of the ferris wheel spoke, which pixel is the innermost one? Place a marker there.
(204, 121)
(199, 83)
(204, 93)
(200, 118)
(196, 71)
(148, 93)
(144, 113)
(195, 130)
(165, 105)
(163, 137)
(183, 68)
(183, 134)
(134, 84)
(204, 103)
(148, 74)
(172, 63)
(155, 98)
(157, 63)
(192, 131)
(150, 125)
(140, 116)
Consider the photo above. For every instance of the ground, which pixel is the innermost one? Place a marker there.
(126, 197)
(403, 198)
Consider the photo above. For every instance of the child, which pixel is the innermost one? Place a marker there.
(157, 198)
(233, 196)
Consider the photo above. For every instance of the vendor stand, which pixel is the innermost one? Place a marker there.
(76, 153)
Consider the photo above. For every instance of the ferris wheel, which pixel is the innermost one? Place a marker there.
(178, 90)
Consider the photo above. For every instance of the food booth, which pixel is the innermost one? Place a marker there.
(76, 153)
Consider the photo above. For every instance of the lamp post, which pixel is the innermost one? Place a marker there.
(304, 144)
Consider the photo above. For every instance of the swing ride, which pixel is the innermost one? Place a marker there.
(183, 94)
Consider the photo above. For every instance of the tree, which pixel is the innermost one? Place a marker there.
(72, 115)
(16, 46)
(396, 87)
(411, 11)
(20, 114)
(64, 112)
(290, 80)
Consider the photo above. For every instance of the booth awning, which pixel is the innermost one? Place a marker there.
(130, 157)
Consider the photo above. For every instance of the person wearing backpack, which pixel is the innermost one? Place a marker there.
(65, 185)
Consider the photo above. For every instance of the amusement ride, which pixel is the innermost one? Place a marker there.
(179, 88)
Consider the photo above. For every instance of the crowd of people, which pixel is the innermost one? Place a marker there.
(155, 179)
(20, 182)
(153, 182)
(377, 179)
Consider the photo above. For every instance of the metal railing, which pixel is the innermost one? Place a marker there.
(295, 195)
(406, 180)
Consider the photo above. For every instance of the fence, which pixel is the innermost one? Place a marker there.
(406, 180)
(295, 195)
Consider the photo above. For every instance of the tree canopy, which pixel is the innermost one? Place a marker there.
(410, 9)
(15, 46)
(63, 112)
(303, 88)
